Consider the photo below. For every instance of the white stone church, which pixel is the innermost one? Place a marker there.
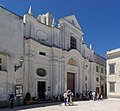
(35, 56)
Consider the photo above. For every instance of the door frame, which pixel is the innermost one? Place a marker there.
(73, 80)
(37, 86)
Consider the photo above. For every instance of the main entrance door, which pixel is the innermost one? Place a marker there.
(41, 89)
(71, 81)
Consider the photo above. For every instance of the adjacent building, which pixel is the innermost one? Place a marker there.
(35, 56)
(113, 73)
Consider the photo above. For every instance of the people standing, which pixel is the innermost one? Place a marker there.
(93, 95)
(65, 98)
(101, 97)
(90, 95)
(71, 98)
(84, 95)
(46, 95)
(11, 100)
(68, 97)
(98, 96)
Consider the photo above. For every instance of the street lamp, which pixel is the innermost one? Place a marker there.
(20, 64)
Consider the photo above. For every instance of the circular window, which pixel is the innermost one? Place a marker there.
(41, 72)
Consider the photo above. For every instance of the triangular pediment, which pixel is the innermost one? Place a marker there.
(73, 21)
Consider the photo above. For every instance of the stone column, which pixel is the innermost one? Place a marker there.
(55, 77)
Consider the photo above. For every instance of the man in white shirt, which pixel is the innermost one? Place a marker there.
(93, 95)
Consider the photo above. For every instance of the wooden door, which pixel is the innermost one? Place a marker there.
(71, 81)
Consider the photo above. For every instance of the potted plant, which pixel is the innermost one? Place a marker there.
(27, 98)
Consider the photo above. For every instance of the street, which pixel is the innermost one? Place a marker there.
(105, 105)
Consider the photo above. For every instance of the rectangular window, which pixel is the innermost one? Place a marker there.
(111, 68)
(101, 70)
(112, 86)
(42, 53)
(97, 69)
(73, 43)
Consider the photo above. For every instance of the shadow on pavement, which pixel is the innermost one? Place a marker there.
(31, 106)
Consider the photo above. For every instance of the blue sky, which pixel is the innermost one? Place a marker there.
(99, 19)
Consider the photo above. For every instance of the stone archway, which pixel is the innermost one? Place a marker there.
(71, 75)
(74, 63)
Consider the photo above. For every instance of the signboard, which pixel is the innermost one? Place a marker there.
(18, 90)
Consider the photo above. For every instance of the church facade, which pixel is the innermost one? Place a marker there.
(36, 56)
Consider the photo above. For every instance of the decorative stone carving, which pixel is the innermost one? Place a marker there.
(72, 62)
(42, 35)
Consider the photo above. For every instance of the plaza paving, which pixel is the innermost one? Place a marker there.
(105, 105)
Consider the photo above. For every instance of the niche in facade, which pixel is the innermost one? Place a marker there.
(41, 72)
(97, 79)
(42, 35)
(85, 78)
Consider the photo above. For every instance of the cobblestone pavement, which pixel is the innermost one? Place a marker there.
(105, 105)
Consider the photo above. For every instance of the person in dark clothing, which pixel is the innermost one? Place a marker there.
(11, 100)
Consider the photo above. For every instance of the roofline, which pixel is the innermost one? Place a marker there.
(43, 23)
(11, 11)
(72, 25)
(113, 51)
(47, 25)
(100, 56)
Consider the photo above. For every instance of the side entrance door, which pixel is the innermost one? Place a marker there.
(41, 89)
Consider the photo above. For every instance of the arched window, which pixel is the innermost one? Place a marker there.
(73, 43)
(97, 79)
(85, 78)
